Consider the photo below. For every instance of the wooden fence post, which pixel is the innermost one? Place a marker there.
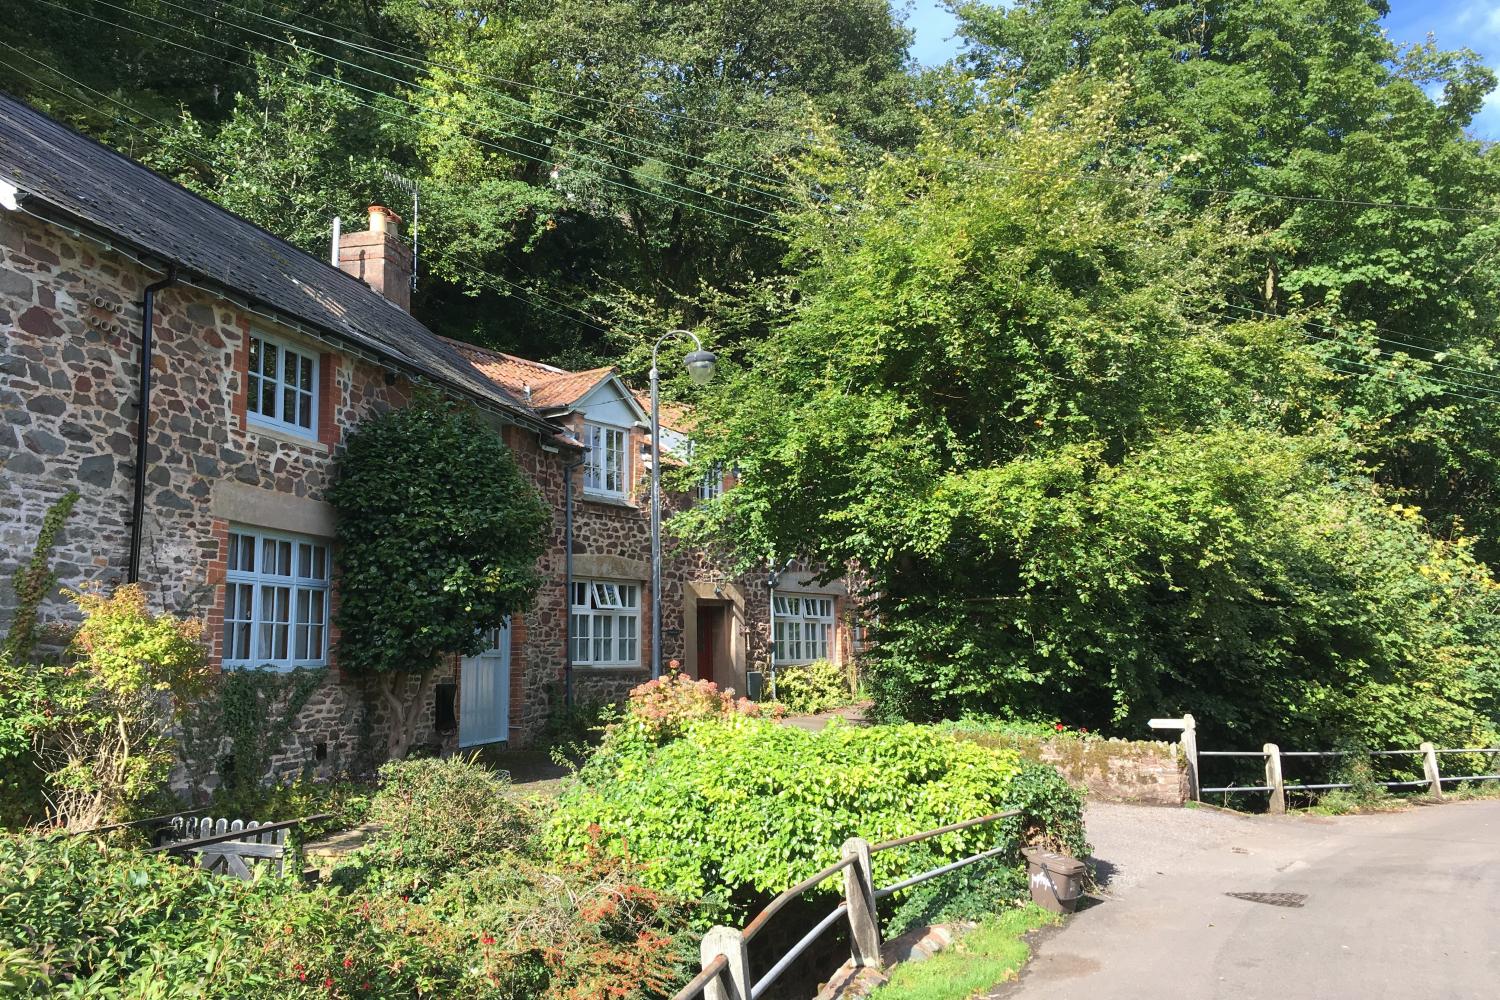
(1273, 777)
(734, 982)
(1430, 770)
(1190, 754)
(859, 896)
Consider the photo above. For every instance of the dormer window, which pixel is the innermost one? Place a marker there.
(282, 386)
(604, 462)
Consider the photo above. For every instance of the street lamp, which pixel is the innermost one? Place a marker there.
(700, 366)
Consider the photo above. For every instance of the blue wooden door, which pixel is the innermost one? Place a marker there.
(484, 691)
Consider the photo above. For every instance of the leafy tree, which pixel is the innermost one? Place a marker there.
(439, 535)
(1011, 396)
(1243, 101)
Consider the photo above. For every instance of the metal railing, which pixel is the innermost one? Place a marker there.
(725, 952)
(1276, 784)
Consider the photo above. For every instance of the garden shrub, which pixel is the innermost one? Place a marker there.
(813, 687)
(740, 808)
(662, 709)
(437, 815)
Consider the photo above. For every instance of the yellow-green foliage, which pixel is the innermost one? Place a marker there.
(815, 687)
(130, 678)
(988, 955)
(743, 806)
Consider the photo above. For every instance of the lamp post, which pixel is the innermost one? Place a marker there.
(700, 366)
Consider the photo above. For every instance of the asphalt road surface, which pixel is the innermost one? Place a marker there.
(1400, 905)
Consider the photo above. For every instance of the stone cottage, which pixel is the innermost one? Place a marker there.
(193, 377)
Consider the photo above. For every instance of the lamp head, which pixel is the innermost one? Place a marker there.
(700, 366)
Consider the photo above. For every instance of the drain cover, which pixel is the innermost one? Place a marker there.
(1292, 899)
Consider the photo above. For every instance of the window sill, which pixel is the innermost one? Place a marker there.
(253, 426)
(609, 668)
(610, 501)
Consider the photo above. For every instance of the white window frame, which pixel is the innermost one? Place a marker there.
(604, 623)
(711, 485)
(282, 385)
(606, 452)
(804, 628)
(276, 616)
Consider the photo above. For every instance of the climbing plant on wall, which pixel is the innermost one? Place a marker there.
(439, 536)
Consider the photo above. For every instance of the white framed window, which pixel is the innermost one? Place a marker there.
(804, 628)
(276, 600)
(605, 623)
(712, 483)
(282, 386)
(604, 461)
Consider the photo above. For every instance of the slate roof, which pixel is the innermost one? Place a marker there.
(92, 184)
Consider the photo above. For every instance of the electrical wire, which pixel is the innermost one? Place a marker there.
(419, 62)
(406, 118)
(407, 83)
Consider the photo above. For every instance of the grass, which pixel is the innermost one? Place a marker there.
(989, 954)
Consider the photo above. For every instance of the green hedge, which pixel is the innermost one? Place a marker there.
(740, 808)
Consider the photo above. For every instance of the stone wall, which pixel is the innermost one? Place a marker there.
(69, 375)
(1111, 770)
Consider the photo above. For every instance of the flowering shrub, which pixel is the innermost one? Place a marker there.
(662, 709)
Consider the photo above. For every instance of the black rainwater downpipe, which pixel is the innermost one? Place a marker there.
(143, 422)
(568, 581)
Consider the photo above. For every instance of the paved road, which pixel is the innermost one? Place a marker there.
(1403, 906)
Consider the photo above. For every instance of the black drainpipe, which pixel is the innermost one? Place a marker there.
(143, 422)
(568, 584)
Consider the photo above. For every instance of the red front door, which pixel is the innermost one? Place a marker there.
(710, 624)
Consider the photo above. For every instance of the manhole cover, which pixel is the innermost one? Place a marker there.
(1293, 899)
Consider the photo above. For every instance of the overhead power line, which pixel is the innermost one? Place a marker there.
(415, 86)
(420, 62)
(624, 185)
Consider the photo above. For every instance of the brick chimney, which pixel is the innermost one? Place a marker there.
(379, 257)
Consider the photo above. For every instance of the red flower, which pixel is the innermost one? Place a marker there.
(1083, 729)
(1060, 727)
(487, 940)
(348, 962)
(328, 982)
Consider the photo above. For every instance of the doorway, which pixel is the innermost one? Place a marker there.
(484, 691)
(711, 644)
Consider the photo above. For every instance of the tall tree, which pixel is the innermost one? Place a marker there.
(1307, 121)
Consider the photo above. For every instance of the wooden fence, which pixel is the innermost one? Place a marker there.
(725, 950)
(1273, 756)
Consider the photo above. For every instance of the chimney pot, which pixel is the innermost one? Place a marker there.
(383, 220)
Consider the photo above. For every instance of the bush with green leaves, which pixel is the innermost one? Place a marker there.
(431, 558)
(740, 808)
(442, 814)
(814, 687)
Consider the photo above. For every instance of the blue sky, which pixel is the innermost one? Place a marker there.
(1473, 24)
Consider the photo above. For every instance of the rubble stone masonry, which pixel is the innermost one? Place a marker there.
(70, 317)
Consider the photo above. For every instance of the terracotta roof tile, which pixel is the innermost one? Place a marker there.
(549, 387)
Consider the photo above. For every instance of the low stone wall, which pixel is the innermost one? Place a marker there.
(1138, 771)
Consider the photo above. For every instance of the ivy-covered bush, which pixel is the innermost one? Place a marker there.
(429, 558)
(814, 687)
(739, 808)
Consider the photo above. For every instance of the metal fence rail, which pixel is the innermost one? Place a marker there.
(1276, 784)
(724, 951)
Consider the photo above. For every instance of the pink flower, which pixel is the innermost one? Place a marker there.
(1060, 727)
